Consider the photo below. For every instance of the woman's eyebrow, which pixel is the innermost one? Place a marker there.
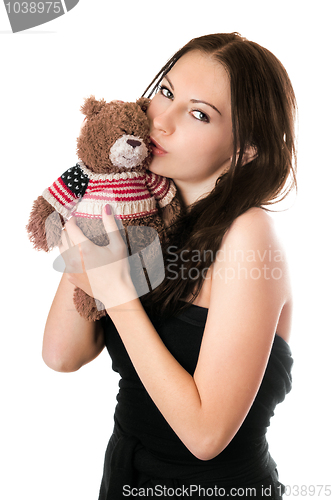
(193, 100)
(207, 103)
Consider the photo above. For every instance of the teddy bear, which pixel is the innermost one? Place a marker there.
(114, 153)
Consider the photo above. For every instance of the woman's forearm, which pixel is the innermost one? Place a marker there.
(69, 340)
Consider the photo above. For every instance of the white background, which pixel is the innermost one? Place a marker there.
(55, 427)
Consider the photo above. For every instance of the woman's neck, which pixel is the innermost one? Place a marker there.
(190, 193)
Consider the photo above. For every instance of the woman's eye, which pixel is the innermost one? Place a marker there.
(199, 115)
(166, 92)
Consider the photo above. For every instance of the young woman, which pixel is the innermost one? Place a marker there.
(204, 358)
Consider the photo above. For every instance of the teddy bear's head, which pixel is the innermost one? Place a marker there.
(114, 136)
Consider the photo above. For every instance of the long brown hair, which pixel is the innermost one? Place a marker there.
(263, 117)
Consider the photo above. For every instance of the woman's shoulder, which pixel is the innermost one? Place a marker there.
(252, 262)
(255, 226)
(254, 216)
(254, 247)
(253, 242)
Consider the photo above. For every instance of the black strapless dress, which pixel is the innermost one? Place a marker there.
(145, 457)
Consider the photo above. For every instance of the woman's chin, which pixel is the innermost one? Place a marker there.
(157, 168)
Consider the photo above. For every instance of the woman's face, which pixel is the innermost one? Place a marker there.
(191, 126)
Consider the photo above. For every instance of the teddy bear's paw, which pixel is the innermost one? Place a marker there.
(89, 308)
(44, 226)
(53, 227)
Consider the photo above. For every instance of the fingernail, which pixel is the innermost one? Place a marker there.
(108, 209)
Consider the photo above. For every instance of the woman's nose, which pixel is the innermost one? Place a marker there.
(165, 121)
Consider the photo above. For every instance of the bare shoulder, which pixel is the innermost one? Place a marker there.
(254, 224)
(253, 236)
(253, 239)
(253, 259)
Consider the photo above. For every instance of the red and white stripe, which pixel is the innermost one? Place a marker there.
(162, 188)
(61, 198)
(132, 195)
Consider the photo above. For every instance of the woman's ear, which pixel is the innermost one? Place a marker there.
(249, 154)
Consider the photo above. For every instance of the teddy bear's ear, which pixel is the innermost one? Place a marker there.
(143, 102)
(92, 107)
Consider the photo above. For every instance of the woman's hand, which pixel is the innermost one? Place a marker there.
(101, 272)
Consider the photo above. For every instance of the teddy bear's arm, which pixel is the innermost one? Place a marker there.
(67, 190)
(162, 188)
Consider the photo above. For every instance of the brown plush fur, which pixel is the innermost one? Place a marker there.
(105, 123)
(44, 229)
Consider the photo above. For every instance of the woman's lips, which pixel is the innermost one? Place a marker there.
(157, 148)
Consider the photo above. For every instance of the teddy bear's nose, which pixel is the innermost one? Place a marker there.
(133, 143)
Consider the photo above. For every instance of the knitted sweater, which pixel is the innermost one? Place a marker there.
(83, 193)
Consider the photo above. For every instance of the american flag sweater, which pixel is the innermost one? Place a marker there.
(83, 193)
